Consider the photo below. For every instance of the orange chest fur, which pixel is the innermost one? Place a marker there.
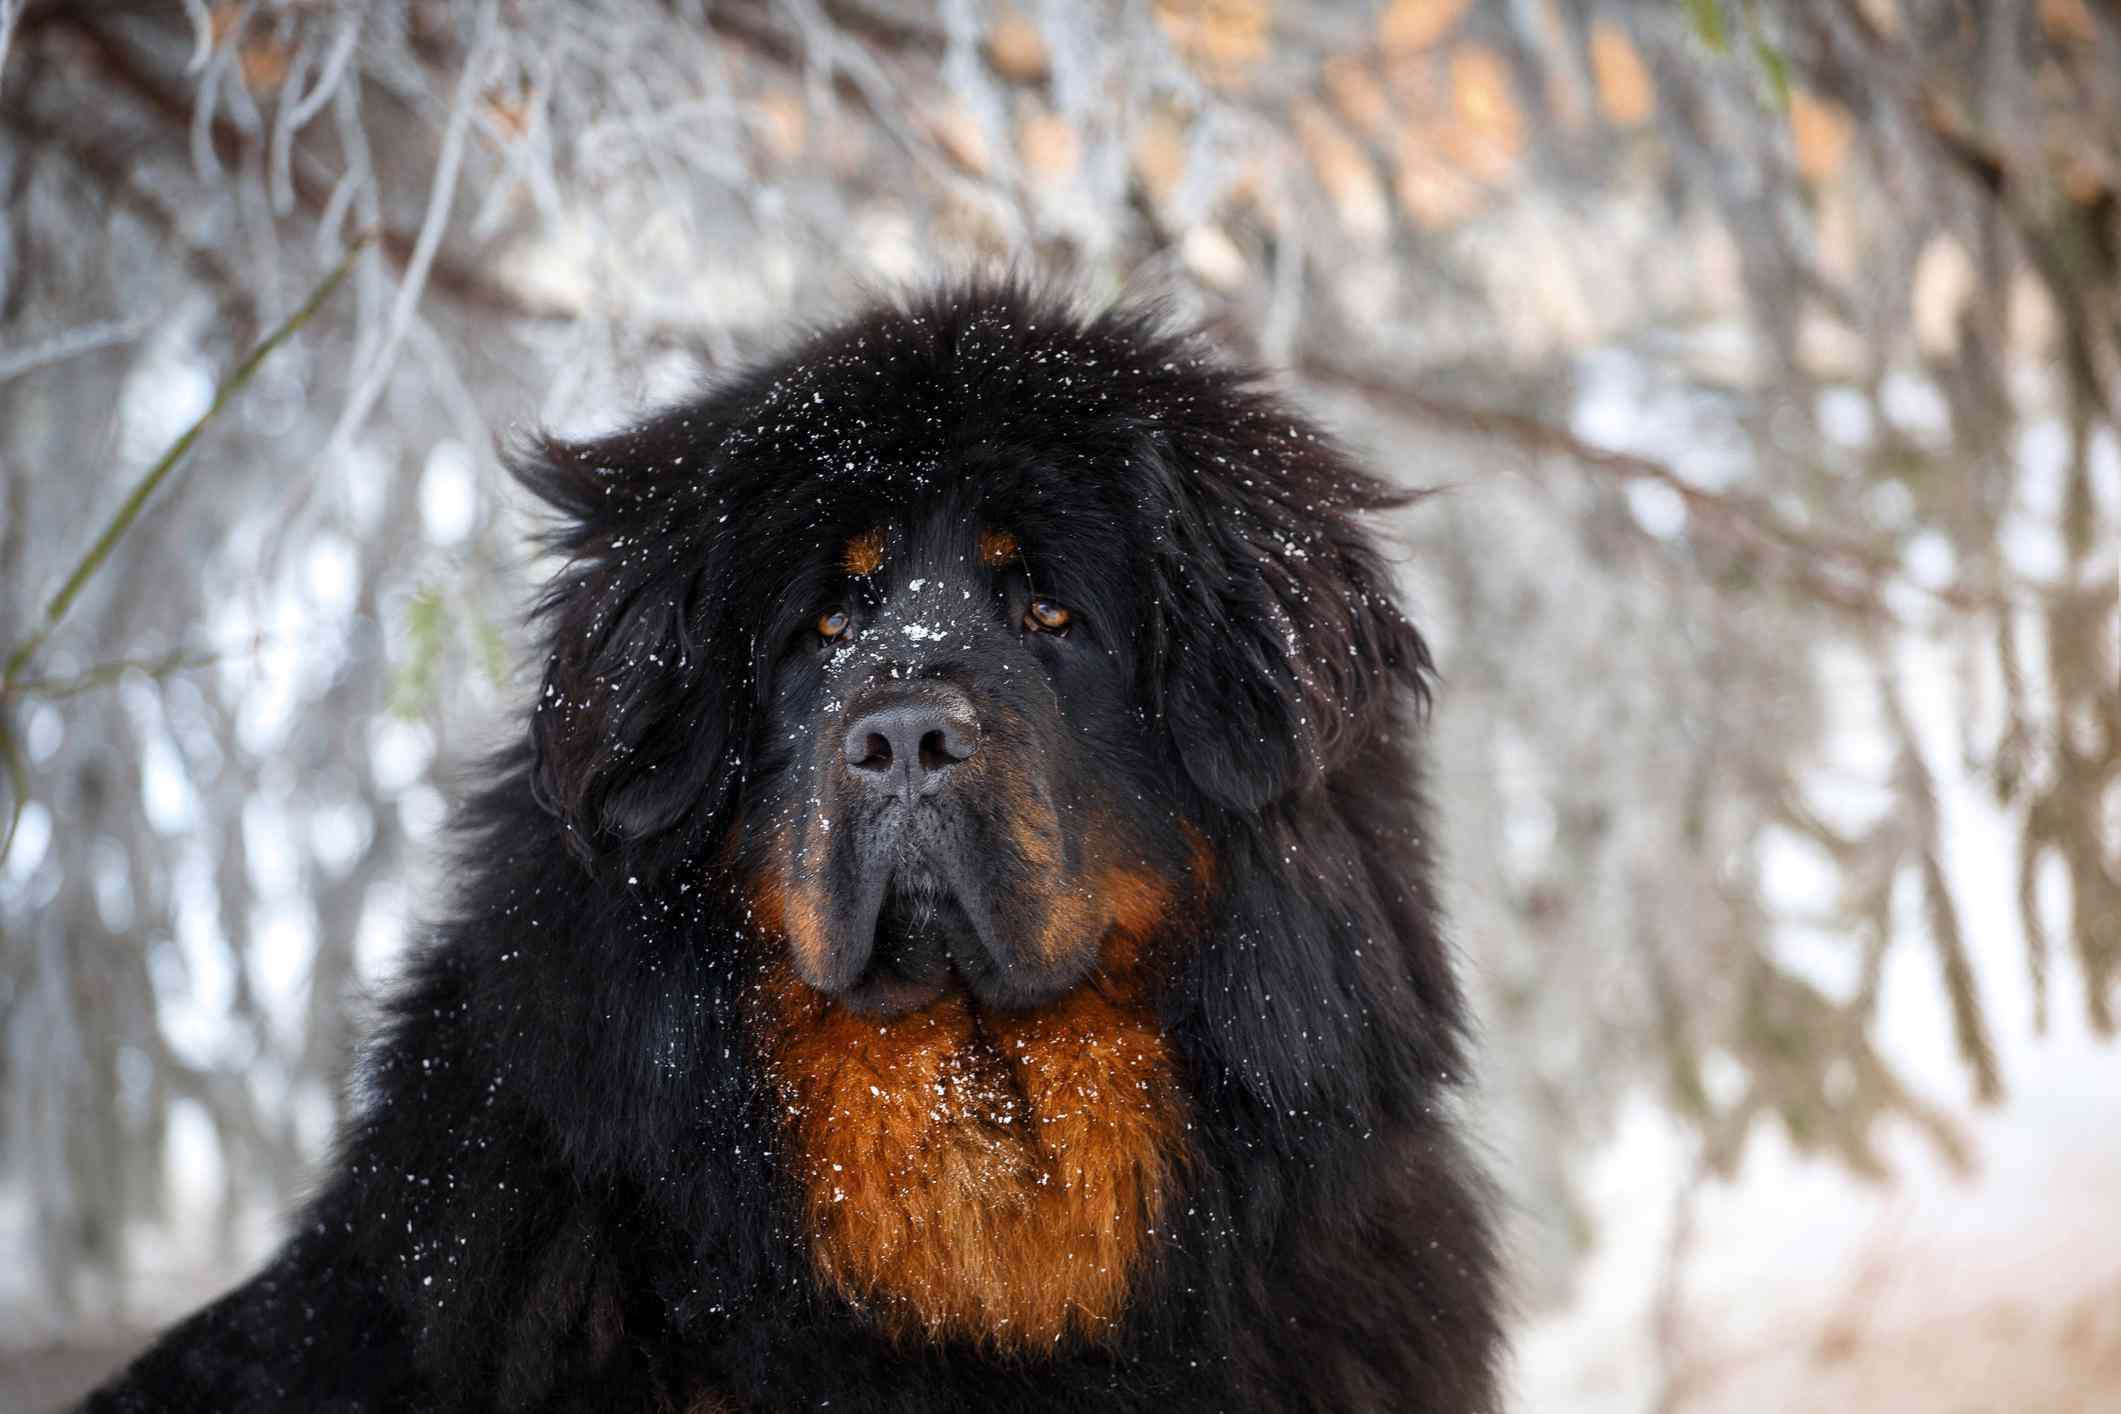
(998, 1178)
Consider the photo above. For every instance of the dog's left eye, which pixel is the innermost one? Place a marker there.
(833, 624)
(1045, 616)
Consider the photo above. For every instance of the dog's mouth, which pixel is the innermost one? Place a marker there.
(925, 946)
(919, 905)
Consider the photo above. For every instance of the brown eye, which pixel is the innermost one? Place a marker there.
(832, 624)
(1045, 616)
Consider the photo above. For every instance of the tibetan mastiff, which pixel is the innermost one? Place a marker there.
(958, 933)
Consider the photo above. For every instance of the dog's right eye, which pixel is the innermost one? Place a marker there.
(833, 624)
(1044, 616)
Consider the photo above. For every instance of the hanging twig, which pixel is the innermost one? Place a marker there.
(441, 197)
(10, 11)
(129, 510)
(73, 343)
(104, 674)
(99, 553)
(1804, 552)
(17, 786)
(312, 188)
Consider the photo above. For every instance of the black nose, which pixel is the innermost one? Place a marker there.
(909, 747)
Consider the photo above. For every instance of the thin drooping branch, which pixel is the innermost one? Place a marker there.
(440, 199)
(10, 16)
(135, 501)
(312, 188)
(1830, 565)
(104, 674)
(73, 343)
(1918, 792)
(12, 681)
(322, 193)
(108, 164)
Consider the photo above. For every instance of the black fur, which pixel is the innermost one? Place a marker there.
(561, 1188)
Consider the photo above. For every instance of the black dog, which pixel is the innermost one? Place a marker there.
(958, 936)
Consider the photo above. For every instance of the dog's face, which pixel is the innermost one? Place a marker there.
(955, 641)
(1122, 593)
(957, 791)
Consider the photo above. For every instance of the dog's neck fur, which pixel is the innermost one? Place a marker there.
(987, 1177)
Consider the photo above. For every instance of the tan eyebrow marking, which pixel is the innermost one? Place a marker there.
(864, 554)
(996, 548)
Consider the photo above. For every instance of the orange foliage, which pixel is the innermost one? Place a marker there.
(1360, 97)
(1160, 155)
(1625, 94)
(264, 65)
(1490, 130)
(1222, 39)
(783, 123)
(957, 131)
(1016, 48)
(1051, 151)
(2069, 21)
(1344, 173)
(1410, 25)
(1819, 131)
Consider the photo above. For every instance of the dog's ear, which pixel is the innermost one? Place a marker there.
(1282, 652)
(636, 726)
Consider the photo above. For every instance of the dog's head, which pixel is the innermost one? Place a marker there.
(958, 636)
(955, 788)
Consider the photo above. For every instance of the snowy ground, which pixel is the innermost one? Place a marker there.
(1802, 1289)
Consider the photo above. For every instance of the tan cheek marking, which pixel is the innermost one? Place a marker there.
(1034, 827)
(1034, 831)
(864, 554)
(996, 548)
(1130, 901)
(1136, 900)
(1201, 860)
(1071, 919)
(790, 910)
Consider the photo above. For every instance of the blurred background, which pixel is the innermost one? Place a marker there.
(1768, 353)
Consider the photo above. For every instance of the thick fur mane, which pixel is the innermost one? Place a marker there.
(574, 1177)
